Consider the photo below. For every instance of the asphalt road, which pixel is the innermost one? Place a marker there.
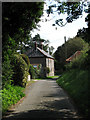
(44, 100)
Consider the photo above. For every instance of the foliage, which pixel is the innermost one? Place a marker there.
(18, 19)
(41, 43)
(34, 72)
(71, 10)
(75, 82)
(47, 70)
(10, 96)
(80, 62)
(21, 70)
(26, 59)
(68, 49)
(38, 39)
(84, 33)
(7, 54)
(7, 71)
(52, 77)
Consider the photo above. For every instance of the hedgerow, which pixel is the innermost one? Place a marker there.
(21, 70)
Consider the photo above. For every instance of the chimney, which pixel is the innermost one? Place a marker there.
(41, 46)
(35, 45)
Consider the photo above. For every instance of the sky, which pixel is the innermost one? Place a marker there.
(56, 37)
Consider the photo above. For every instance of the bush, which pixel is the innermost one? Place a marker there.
(80, 62)
(26, 59)
(10, 96)
(7, 71)
(32, 72)
(47, 70)
(21, 70)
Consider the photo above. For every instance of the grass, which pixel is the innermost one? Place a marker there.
(10, 96)
(75, 82)
(48, 77)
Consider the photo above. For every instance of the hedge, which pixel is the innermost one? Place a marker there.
(21, 70)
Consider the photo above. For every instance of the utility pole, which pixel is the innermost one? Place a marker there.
(65, 48)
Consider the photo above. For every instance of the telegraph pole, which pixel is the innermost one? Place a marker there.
(65, 48)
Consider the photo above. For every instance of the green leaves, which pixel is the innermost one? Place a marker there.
(21, 69)
(68, 49)
(7, 71)
(73, 10)
(10, 96)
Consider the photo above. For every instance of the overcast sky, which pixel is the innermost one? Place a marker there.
(56, 37)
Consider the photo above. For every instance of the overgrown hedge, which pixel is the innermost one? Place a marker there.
(21, 70)
(7, 70)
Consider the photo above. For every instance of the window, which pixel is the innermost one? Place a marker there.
(35, 66)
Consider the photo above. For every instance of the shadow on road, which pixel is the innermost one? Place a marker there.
(55, 110)
(40, 114)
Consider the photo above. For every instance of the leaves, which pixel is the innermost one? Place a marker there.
(73, 10)
(18, 19)
(10, 96)
(68, 49)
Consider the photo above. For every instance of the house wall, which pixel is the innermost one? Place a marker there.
(50, 64)
(41, 61)
(45, 62)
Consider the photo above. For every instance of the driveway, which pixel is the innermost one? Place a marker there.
(44, 100)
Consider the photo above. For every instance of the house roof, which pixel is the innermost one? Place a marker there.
(44, 53)
(76, 54)
(38, 53)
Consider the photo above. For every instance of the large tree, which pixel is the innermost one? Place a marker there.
(67, 50)
(18, 19)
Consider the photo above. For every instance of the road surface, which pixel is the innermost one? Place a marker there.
(44, 100)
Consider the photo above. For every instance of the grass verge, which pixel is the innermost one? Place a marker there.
(10, 96)
(75, 82)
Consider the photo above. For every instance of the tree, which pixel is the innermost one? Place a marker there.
(38, 39)
(72, 11)
(84, 33)
(51, 50)
(72, 45)
(18, 19)
(42, 43)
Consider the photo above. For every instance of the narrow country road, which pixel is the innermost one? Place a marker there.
(44, 100)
